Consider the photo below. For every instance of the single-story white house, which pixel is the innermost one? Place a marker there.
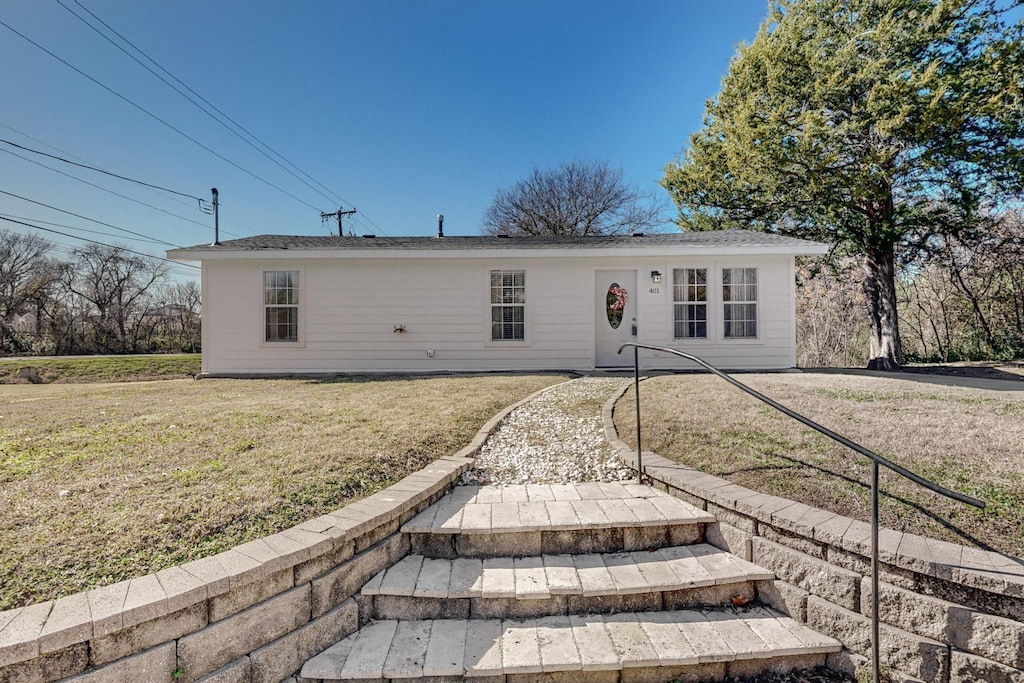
(279, 304)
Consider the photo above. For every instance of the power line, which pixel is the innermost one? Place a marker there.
(104, 189)
(44, 144)
(252, 231)
(102, 244)
(212, 106)
(100, 170)
(91, 220)
(203, 109)
(155, 117)
(68, 154)
(73, 227)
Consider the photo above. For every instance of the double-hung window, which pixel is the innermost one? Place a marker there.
(690, 300)
(739, 299)
(508, 305)
(281, 305)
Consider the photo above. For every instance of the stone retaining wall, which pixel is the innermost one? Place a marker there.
(253, 614)
(949, 613)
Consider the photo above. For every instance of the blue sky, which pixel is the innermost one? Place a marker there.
(404, 109)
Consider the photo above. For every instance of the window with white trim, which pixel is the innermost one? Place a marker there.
(508, 305)
(690, 301)
(281, 305)
(739, 301)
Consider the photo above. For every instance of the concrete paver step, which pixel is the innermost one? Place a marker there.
(541, 507)
(397, 650)
(591, 574)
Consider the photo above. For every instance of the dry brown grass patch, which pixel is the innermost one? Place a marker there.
(971, 440)
(100, 483)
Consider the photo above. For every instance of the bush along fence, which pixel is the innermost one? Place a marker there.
(949, 613)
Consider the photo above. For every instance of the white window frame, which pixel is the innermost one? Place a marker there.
(736, 295)
(507, 299)
(295, 303)
(684, 298)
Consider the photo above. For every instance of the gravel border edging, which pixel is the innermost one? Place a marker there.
(491, 425)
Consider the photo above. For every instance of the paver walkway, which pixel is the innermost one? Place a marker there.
(578, 581)
(601, 581)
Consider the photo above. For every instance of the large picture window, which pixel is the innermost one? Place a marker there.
(690, 300)
(281, 305)
(739, 299)
(508, 305)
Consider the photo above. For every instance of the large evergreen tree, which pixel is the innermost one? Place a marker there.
(873, 125)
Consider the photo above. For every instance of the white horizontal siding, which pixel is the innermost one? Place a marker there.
(350, 309)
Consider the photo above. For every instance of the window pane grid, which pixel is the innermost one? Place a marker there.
(508, 305)
(690, 294)
(739, 296)
(281, 305)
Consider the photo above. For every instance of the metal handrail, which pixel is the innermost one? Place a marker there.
(875, 458)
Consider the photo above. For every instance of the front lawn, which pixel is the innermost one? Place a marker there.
(970, 440)
(100, 483)
(75, 369)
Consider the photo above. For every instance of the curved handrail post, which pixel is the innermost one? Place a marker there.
(875, 458)
(639, 443)
(875, 637)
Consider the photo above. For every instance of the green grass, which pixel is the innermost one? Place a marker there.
(969, 440)
(70, 369)
(104, 482)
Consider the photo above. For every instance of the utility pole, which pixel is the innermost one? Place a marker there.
(337, 214)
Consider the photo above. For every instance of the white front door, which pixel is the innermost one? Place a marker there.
(615, 308)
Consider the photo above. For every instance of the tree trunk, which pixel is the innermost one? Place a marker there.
(880, 289)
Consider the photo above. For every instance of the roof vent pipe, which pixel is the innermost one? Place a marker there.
(216, 216)
(440, 225)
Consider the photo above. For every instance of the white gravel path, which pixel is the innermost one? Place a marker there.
(558, 437)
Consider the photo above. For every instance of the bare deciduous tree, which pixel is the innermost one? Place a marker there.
(120, 288)
(105, 299)
(829, 296)
(965, 298)
(576, 199)
(177, 319)
(25, 276)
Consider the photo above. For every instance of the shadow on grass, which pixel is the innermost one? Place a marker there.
(962, 533)
(335, 378)
(991, 379)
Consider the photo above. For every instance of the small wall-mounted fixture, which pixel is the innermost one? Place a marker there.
(655, 277)
(399, 329)
(430, 353)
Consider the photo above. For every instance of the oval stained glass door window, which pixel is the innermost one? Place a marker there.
(616, 304)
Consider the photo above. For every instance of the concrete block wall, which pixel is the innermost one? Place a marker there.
(949, 613)
(253, 614)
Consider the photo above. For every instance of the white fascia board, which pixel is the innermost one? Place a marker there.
(192, 255)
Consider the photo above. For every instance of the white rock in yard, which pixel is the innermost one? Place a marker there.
(558, 437)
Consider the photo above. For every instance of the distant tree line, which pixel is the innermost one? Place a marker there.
(960, 299)
(98, 300)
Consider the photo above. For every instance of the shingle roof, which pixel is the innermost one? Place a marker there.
(722, 238)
